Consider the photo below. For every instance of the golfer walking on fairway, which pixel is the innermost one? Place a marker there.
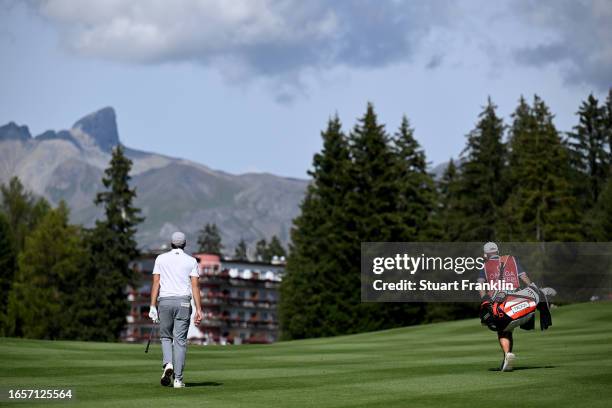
(505, 268)
(175, 280)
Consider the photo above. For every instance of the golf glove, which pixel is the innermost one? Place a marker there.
(153, 314)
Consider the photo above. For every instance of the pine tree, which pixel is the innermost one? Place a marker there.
(588, 153)
(52, 267)
(22, 209)
(481, 190)
(371, 215)
(21, 212)
(353, 198)
(111, 245)
(607, 115)
(373, 171)
(264, 251)
(598, 220)
(447, 213)
(540, 206)
(8, 265)
(417, 194)
(241, 250)
(261, 250)
(447, 183)
(275, 248)
(308, 308)
(209, 240)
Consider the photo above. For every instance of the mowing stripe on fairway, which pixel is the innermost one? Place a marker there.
(444, 364)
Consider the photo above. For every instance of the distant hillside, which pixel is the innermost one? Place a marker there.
(173, 193)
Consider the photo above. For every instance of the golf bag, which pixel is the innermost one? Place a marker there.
(504, 312)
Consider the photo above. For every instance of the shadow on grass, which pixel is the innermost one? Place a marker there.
(203, 384)
(524, 368)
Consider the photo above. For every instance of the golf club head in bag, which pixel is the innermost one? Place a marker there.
(505, 312)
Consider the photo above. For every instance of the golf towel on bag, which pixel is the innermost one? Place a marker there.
(507, 311)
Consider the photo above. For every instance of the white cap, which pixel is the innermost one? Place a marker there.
(178, 238)
(490, 247)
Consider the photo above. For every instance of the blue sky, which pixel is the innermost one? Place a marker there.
(247, 85)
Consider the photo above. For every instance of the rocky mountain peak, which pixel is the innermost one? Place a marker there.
(250, 206)
(12, 131)
(102, 127)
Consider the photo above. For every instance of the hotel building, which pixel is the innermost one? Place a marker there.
(239, 301)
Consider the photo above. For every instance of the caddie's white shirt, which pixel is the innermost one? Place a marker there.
(175, 269)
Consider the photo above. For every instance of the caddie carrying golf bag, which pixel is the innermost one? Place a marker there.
(504, 312)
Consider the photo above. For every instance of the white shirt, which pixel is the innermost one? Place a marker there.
(175, 269)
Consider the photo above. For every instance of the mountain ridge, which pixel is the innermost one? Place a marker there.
(174, 193)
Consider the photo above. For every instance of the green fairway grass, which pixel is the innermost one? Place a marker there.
(439, 365)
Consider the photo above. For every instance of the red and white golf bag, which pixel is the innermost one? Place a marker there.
(506, 311)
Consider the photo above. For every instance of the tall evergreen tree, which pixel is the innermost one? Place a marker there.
(373, 172)
(540, 206)
(353, 198)
(598, 221)
(447, 213)
(22, 209)
(240, 253)
(588, 153)
(481, 190)
(371, 214)
(261, 250)
(112, 246)
(209, 240)
(8, 265)
(417, 194)
(275, 248)
(608, 123)
(316, 262)
(265, 251)
(51, 269)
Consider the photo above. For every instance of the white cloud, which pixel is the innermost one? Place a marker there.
(579, 39)
(284, 42)
(268, 37)
(159, 30)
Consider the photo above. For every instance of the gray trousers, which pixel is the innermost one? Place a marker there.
(174, 316)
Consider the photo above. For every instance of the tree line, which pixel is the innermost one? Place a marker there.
(209, 241)
(518, 181)
(64, 281)
(522, 181)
